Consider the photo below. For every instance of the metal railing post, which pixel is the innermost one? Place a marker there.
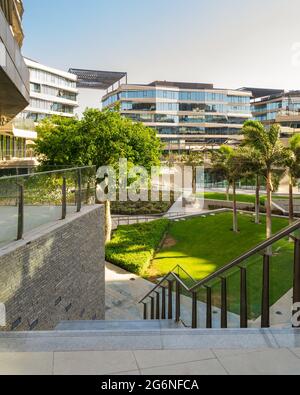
(79, 184)
(177, 312)
(265, 316)
(163, 306)
(244, 299)
(224, 320)
(170, 300)
(64, 198)
(145, 311)
(152, 308)
(296, 289)
(20, 212)
(157, 305)
(195, 311)
(208, 308)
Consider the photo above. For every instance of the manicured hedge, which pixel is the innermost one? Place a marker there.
(132, 247)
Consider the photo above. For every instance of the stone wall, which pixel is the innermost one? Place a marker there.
(56, 273)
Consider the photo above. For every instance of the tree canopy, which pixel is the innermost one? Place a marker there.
(100, 138)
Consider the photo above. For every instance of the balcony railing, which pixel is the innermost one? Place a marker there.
(29, 201)
(215, 290)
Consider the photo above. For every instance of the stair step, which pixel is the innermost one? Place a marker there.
(117, 325)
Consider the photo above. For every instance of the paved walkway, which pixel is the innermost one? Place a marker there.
(154, 362)
(123, 292)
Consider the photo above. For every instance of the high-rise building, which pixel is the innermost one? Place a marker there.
(187, 116)
(14, 79)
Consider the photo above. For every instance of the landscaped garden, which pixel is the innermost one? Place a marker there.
(201, 246)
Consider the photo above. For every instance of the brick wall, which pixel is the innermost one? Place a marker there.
(56, 273)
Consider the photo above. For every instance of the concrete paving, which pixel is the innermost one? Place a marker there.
(161, 352)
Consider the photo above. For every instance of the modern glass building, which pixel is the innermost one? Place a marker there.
(187, 116)
(278, 107)
(52, 92)
(14, 79)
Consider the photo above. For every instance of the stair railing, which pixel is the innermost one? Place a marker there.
(162, 304)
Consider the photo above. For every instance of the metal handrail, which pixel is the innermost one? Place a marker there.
(176, 277)
(261, 247)
(46, 172)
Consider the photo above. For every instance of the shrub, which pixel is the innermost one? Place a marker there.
(133, 247)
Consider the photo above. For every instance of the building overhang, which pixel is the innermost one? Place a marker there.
(14, 75)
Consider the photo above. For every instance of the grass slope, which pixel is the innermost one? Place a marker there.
(132, 247)
(202, 245)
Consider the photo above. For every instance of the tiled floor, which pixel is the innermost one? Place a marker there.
(154, 362)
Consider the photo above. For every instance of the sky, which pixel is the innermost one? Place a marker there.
(231, 43)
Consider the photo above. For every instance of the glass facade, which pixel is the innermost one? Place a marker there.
(194, 112)
(269, 109)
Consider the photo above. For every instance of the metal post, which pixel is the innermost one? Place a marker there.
(79, 183)
(170, 300)
(145, 311)
(265, 316)
(152, 308)
(64, 198)
(208, 308)
(20, 213)
(177, 312)
(224, 323)
(157, 305)
(195, 311)
(244, 299)
(296, 291)
(163, 307)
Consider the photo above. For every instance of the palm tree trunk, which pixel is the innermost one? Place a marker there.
(257, 201)
(269, 204)
(108, 222)
(235, 215)
(291, 201)
(194, 180)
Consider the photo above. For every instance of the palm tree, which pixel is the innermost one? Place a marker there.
(293, 165)
(272, 153)
(252, 165)
(226, 162)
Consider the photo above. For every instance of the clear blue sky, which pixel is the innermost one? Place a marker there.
(231, 43)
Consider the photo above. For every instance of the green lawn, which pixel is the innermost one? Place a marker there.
(242, 198)
(202, 245)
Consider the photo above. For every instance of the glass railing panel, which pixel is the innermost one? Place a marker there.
(42, 199)
(9, 194)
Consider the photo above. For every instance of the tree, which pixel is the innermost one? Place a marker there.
(272, 154)
(252, 165)
(101, 138)
(293, 165)
(226, 162)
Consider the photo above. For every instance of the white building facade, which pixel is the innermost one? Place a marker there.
(52, 92)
